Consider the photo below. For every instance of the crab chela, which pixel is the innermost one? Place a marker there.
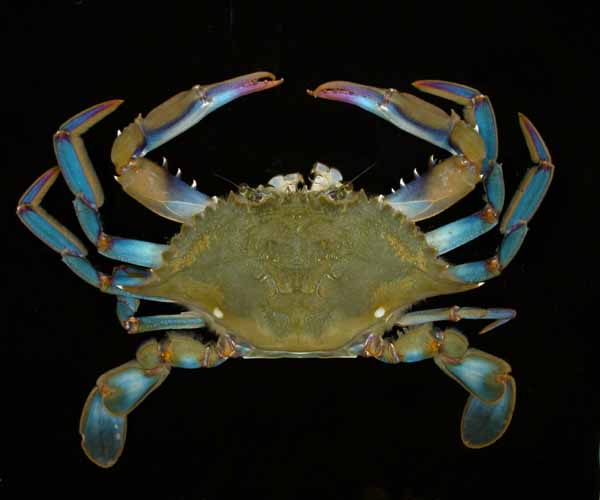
(295, 269)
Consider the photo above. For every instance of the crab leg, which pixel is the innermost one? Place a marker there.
(127, 307)
(522, 207)
(63, 241)
(446, 182)
(491, 403)
(118, 392)
(81, 178)
(154, 186)
(457, 313)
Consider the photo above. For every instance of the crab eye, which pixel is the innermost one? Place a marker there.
(336, 194)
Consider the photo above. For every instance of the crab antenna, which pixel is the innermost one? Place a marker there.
(363, 172)
(227, 180)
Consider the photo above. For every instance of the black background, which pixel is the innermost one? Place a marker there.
(300, 428)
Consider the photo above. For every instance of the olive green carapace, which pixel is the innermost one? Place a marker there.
(300, 271)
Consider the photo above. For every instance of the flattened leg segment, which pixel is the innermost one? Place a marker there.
(119, 391)
(491, 403)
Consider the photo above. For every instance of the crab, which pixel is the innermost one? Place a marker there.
(295, 269)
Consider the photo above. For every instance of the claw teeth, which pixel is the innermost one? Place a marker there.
(164, 162)
(393, 190)
(178, 174)
(118, 132)
(194, 184)
(416, 173)
(432, 161)
(402, 183)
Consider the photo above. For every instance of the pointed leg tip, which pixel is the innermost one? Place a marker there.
(36, 192)
(82, 121)
(535, 143)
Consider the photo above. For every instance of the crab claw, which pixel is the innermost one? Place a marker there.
(153, 186)
(182, 111)
(443, 184)
(409, 113)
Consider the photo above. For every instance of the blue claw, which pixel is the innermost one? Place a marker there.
(181, 112)
(165, 194)
(484, 423)
(406, 111)
(102, 433)
(72, 157)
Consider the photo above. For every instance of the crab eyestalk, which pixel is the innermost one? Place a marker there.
(444, 183)
(154, 186)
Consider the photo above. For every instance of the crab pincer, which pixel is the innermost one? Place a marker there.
(444, 183)
(151, 184)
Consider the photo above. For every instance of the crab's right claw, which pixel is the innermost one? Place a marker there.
(181, 112)
(444, 183)
(153, 186)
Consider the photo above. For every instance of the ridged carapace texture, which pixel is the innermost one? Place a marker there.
(300, 271)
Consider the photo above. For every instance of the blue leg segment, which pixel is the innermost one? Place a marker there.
(484, 423)
(456, 313)
(72, 156)
(491, 402)
(61, 240)
(128, 306)
(102, 433)
(479, 113)
(119, 391)
(514, 224)
(448, 181)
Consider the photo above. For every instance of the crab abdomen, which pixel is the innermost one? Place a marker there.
(299, 272)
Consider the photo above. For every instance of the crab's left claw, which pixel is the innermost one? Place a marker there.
(152, 185)
(444, 183)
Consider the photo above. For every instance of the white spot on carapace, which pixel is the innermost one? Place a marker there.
(217, 313)
(379, 312)
(178, 174)
(118, 132)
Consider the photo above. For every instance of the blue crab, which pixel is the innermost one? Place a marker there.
(295, 269)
